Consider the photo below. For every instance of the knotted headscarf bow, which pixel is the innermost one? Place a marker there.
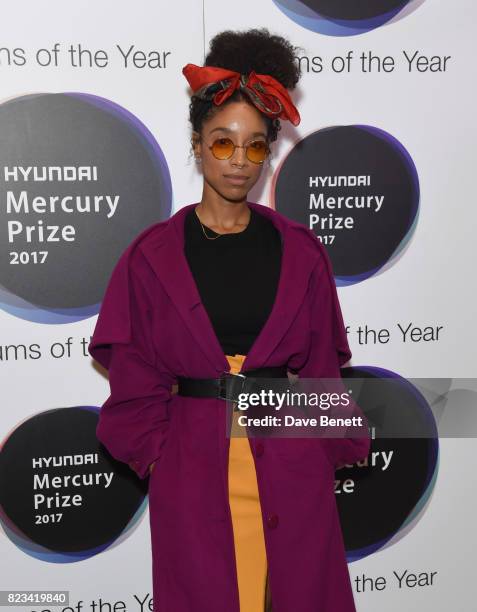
(268, 95)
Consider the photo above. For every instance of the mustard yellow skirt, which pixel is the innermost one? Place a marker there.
(250, 554)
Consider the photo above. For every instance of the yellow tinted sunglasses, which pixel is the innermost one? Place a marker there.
(256, 151)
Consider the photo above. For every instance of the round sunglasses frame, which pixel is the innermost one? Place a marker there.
(246, 147)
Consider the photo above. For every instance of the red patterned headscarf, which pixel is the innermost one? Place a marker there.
(266, 93)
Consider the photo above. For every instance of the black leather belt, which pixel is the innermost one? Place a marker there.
(229, 385)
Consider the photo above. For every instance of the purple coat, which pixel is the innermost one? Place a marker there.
(152, 327)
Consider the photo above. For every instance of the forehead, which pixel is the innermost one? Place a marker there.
(239, 118)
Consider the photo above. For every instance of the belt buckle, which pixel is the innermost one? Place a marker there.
(223, 384)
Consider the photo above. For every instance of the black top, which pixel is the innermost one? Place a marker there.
(237, 277)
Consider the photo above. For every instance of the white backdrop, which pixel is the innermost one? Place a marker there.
(431, 113)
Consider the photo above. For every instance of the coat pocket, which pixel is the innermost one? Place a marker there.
(162, 458)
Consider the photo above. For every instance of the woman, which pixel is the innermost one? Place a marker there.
(228, 286)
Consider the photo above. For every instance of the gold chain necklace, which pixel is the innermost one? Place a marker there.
(218, 235)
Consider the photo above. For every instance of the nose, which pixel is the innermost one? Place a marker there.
(239, 156)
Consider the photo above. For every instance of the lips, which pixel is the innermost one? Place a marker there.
(236, 179)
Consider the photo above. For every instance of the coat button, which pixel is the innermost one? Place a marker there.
(259, 448)
(272, 521)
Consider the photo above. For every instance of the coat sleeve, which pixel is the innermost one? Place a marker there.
(134, 420)
(328, 351)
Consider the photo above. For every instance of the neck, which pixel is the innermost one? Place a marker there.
(223, 215)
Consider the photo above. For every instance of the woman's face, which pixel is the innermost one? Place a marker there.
(242, 123)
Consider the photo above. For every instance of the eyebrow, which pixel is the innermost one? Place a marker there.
(228, 130)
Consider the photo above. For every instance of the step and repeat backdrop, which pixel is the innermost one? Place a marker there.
(95, 147)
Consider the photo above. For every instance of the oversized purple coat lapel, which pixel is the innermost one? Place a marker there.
(166, 257)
